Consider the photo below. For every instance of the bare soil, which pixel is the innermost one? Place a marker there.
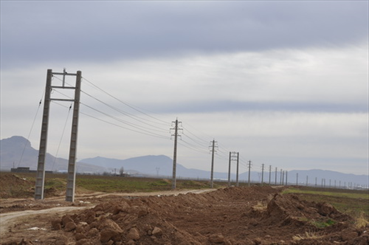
(235, 215)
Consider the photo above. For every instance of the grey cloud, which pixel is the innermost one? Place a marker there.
(227, 105)
(108, 31)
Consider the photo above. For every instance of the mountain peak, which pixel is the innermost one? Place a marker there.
(16, 141)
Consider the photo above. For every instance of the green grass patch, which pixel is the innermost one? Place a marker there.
(161, 183)
(322, 224)
(56, 183)
(335, 193)
(119, 184)
(351, 202)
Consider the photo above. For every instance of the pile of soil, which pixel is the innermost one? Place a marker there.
(15, 186)
(257, 215)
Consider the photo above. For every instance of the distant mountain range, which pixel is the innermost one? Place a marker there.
(15, 148)
(18, 152)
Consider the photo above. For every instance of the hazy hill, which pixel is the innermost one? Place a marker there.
(331, 177)
(11, 150)
(163, 166)
(151, 165)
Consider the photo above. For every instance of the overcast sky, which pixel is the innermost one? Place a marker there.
(284, 83)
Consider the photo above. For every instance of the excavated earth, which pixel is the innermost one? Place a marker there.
(235, 215)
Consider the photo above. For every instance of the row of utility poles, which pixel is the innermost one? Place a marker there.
(235, 157)
(71, 176)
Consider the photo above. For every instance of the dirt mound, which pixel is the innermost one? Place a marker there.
(14, 186)
(289, 209)
(312, 223)
(255, 215)
(123, 223)
(228, 216)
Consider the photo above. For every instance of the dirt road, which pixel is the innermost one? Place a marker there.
(256, 215)
(8, 220)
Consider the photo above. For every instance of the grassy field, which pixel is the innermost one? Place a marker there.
(95, 183)
(352, 202)
(330, 192)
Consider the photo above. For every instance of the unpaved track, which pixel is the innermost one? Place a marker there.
(9, 219)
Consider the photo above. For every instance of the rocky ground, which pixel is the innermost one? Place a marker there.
(236, 215)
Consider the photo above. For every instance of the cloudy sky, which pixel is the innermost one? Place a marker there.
(284, 83)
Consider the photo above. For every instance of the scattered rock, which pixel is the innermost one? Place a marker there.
(257, 241)
(66, 219)
(55, 225)
(109, 230)
(216, 238)
(80, 236)
(70, 226)
(157, 231)
(133, 234)
(348, 235)
(325, 209)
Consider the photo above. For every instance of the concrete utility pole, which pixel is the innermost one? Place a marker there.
(232, 156)
(316, 181)
(307, 180)
(229, 169)
(212, 163)
(276, 174)
(286, 178)
(174, 179)
(281, 177)
(262, 173)
(238, 167)
(297, 179)
(270, 173)
(249, 172)
(71, 176)
(40, 176)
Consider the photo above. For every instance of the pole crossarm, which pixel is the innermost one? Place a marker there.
(63, 87)
(65, 74)
(62, 100)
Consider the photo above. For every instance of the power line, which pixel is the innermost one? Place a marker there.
(143, 131)
(123, 112)
(192, 147)
(147, 131)
(125, 103)
(193, 139)
(30, 131)
(61, 138)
